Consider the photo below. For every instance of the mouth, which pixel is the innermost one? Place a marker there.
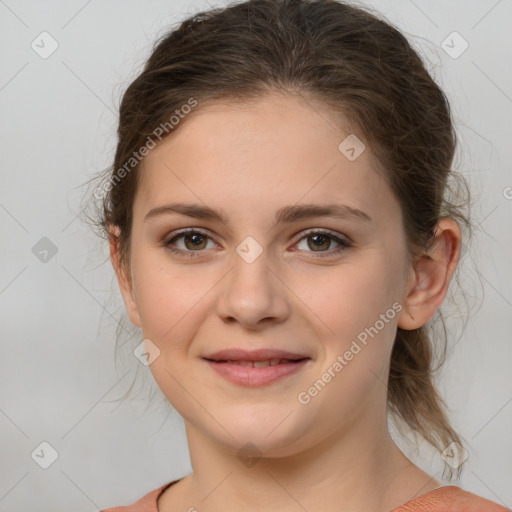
(256, 368)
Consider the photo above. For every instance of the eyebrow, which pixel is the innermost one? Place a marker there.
(285, 215)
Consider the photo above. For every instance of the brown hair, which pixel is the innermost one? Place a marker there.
(360, 66)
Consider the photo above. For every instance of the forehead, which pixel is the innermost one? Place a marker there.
(278, 150)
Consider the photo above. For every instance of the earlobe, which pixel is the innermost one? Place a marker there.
(124, 280)
(431, 276)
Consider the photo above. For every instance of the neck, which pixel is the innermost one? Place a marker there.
(362, 469)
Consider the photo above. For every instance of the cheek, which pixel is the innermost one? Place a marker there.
(348, 298)
(357, 306)
(168, 296)
(172, 300)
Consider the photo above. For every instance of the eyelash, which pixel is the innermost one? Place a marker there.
(344, 243)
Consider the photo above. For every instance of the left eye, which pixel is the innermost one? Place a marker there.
(319, 240)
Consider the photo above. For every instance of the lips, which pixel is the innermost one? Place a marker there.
(255, 367)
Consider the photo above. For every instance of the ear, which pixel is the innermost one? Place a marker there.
(431, 275)
(124, 280)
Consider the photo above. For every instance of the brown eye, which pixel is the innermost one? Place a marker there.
(194, 241)
(321, 241)
(189, 243)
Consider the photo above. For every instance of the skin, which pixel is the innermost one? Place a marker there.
(248, 161)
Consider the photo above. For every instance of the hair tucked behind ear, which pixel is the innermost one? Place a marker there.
(412, 394)
(370, 77)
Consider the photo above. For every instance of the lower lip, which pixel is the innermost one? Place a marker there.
(254, 377)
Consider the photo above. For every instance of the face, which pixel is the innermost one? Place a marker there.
(324, 287)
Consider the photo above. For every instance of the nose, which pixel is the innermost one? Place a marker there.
(252, 294)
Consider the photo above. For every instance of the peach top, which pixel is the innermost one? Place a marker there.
(445, 499)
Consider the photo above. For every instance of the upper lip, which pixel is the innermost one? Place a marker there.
(262, 354)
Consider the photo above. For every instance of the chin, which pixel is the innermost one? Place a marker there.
(274, 434)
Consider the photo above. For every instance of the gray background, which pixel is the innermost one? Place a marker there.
(59, 380)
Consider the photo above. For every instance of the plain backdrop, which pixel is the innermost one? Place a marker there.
(59, 303)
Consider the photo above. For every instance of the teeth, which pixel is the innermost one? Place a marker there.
(260, 364)
(242, 363)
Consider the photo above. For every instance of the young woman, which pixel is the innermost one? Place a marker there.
(281, 232)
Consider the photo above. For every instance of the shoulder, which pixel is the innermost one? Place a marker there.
(148, 503)
(450, 499)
